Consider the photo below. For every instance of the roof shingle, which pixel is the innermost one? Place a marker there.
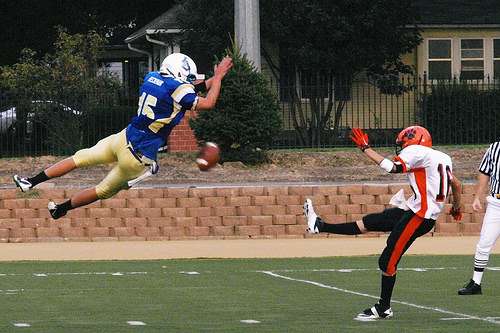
(166, 20)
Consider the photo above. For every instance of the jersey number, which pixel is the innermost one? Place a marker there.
(146, 104)
(442, 186)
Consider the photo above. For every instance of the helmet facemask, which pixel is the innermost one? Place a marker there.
(398, 146)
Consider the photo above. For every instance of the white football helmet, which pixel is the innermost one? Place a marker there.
(182, 67)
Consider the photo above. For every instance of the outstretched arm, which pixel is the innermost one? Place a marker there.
(360, 138)
(374, 156)
(224, 62)
(213, 85)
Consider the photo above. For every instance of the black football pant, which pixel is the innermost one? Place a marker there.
(404, 227)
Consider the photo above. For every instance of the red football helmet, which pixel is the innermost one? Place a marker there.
(414, 135)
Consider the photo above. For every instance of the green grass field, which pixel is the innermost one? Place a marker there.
(295, 295)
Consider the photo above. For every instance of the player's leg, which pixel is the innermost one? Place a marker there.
(127, 168)
(100, 153)
(115, 181)
(109, 186)
(82, 198)
(56, 170)
(490, 231)
(316, 224)
(405, 231)
(383, 221)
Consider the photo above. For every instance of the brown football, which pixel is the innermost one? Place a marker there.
(208, 156)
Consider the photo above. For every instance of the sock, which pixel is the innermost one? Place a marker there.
(480, 263)
(65, 206)
(478, 275)
(349, 228)
(61, 209)
(40, 178)
(386, 292)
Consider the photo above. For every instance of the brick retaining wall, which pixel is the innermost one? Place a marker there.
(182, 137)
(204, 213)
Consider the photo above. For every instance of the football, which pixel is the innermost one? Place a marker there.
(208, 156)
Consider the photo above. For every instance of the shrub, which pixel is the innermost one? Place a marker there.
(54, 97)
(462, 113)
(246, 117)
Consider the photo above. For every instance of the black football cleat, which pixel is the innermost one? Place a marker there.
(376, 312)
(55, 211)
(472, 288)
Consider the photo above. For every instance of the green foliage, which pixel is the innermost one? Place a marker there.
(246, 117)
(345, 37)
(38, 18)
(460, 113)
(72, 68)
(207, 27)
(32, 194)
(53, 96)
(325, 44)
(330, 43)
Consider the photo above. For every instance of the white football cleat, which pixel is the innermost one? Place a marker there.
(374, 313)
(22, 183)
(311, 217)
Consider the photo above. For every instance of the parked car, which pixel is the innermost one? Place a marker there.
(9, 117)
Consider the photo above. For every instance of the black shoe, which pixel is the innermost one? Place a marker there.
(55, 211)
(472, 288)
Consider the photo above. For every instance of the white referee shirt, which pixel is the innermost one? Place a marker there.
(429, 172)
(490, 166)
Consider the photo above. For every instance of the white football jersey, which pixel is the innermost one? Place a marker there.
(430, 173)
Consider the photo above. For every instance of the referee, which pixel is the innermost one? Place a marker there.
(489, 172)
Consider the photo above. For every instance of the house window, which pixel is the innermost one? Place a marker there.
(113, 68)
(472, 59)
(496, 59)
(439, 59)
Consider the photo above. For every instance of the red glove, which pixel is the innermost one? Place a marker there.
(456, 213)
(360, 138)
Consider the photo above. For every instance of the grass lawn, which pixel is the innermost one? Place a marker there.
(283, 295)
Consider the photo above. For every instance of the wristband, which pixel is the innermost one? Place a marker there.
(386, 165)
(200, 87)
